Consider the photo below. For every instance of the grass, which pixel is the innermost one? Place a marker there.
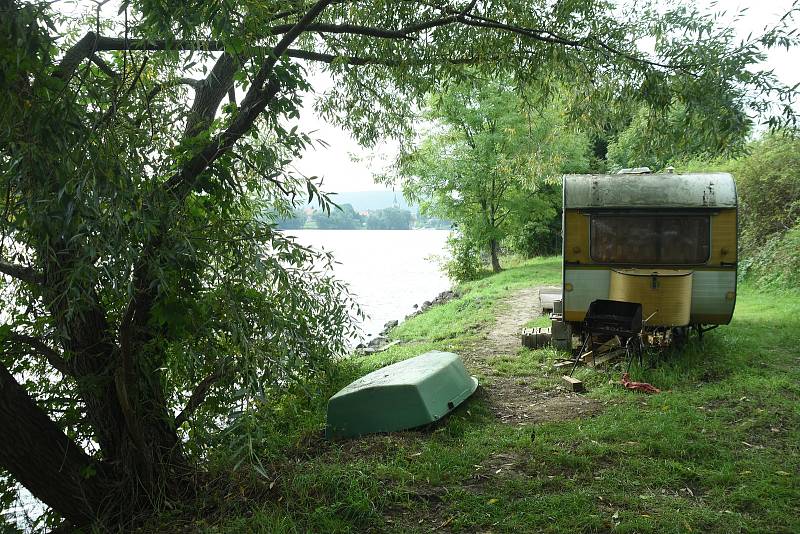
(716, 451)
(460, 319)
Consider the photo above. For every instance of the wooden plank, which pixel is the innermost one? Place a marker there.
(611, 344)
(565, 363)
(605, 358)
(573, 384)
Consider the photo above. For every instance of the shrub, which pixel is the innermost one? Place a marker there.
(536, 238)
(776, 262)
(466, 259)
(768, 183)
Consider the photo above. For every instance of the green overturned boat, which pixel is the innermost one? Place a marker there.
(400, 396)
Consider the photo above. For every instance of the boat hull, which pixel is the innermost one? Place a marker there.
(404, 395)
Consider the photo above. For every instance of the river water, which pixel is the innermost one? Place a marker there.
(388, 271)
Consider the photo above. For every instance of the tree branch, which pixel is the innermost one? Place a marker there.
(209, 94)
(254, 102)
(351, 29)
(51, 355)
(191, 82)
(260, 93)
(553, 38)
(92, 43)
(21, 272)
(110, 44)
(330, 58)
(84, 48)
(442, 21)
(41, 457)
(105, 67)
(199, 395)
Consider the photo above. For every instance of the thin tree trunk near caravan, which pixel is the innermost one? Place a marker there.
(494, 252)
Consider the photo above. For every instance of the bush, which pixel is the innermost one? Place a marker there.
(776, 262)
(536, 238)
(768, 183)
(466, 259)
(768, 186)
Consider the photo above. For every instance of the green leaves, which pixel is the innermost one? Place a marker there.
(768, 184)
(679, 133)
(489, 164)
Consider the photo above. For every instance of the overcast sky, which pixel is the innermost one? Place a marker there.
(341, 173)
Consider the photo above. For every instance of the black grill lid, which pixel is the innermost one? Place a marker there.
(614, 317)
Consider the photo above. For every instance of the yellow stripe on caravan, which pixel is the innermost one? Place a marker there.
(723, 238)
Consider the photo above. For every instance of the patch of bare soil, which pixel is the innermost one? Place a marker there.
(521, 307)
(511, 399)
(522, 404)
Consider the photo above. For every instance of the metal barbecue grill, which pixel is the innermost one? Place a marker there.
(614, 318)
(609, 318)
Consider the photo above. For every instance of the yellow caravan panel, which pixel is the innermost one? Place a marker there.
(723, 237)
(576, 240)
(665, 295)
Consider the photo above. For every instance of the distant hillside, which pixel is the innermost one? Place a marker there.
(372, 200)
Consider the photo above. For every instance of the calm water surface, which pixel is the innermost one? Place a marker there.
(388, 271)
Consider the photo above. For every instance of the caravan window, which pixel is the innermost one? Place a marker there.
(659, 239)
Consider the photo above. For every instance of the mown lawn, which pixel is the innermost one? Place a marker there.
(716, 451)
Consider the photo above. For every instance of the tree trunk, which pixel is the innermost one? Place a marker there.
(140, 452)
(123, 398)
(44, 460)
(494, 252)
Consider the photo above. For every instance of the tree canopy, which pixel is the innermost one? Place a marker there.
(491, 164)
(296, 219)
(342, 217)
(668, 137)
(389, 219)
(146, 304)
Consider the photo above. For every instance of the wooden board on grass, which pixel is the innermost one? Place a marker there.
(573, 384)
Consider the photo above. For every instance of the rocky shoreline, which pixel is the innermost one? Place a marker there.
(382, 342)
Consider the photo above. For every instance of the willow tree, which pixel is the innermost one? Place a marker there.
(143, 297)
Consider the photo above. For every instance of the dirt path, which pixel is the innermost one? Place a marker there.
(521, 307)
(514, 399)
